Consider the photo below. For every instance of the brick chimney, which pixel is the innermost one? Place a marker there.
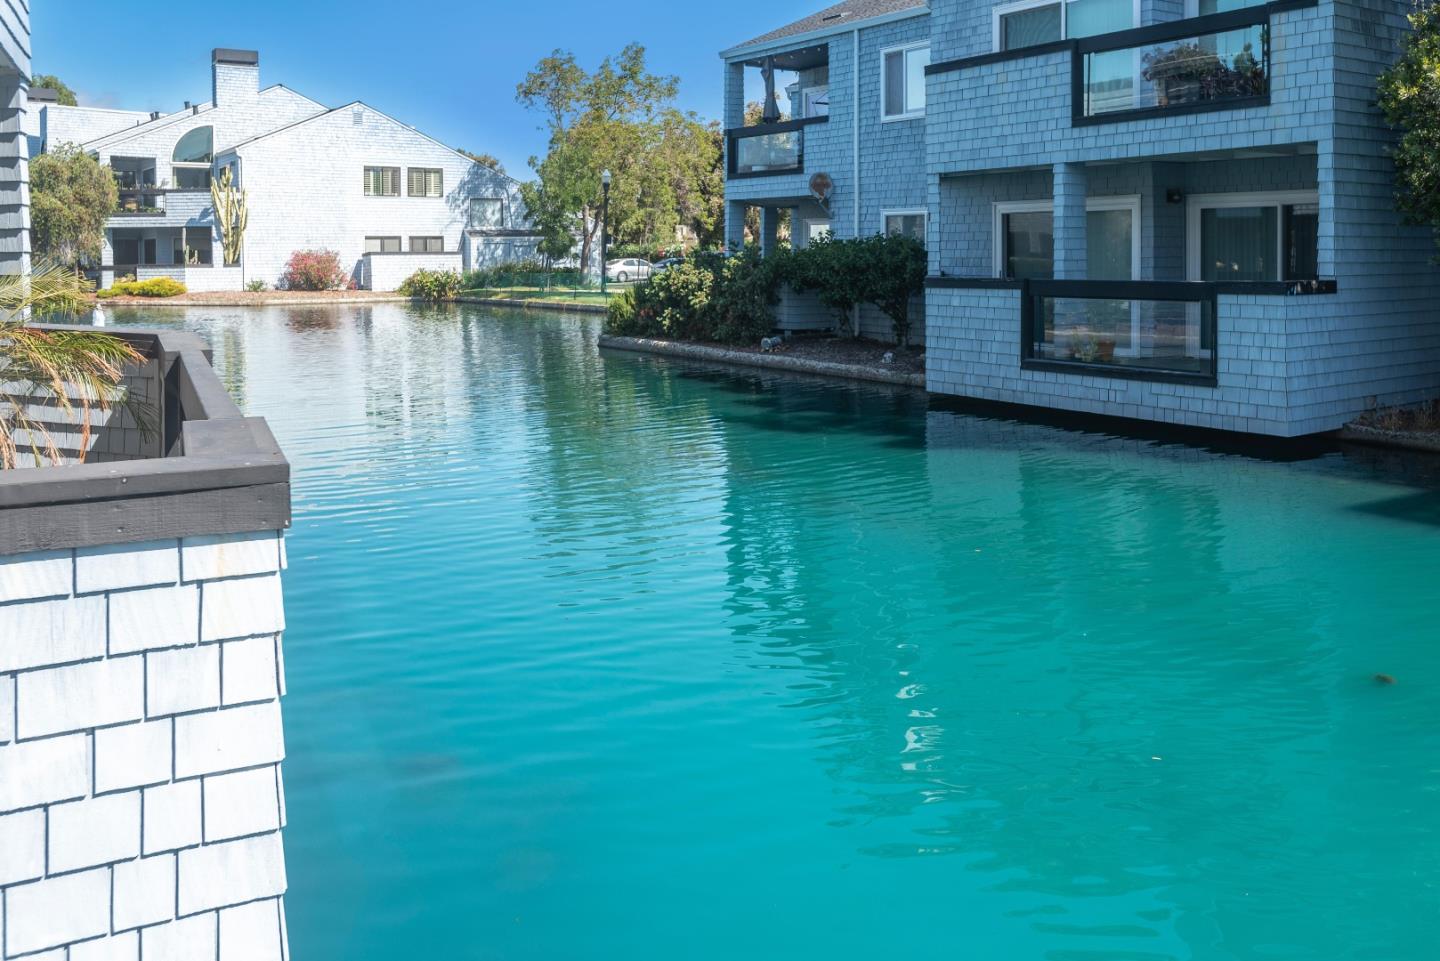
(236, 76)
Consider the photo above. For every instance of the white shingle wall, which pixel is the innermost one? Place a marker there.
(140, 747)
(233, 122)
(306, 190)
(55, 124)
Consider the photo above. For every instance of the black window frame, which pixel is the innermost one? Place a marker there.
(399, 243)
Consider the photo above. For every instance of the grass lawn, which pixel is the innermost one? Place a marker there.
(551, 295)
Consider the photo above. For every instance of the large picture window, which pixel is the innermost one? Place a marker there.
(1254, 237)
(382, 181)
(1032, 22)
(902, 81)
(426, 182)
(486, 213)
(906, 223)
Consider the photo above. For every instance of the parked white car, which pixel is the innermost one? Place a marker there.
(631, 268)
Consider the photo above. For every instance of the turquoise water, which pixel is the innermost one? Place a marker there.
(601, 656)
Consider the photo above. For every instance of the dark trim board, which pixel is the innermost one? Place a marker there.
(224, 472)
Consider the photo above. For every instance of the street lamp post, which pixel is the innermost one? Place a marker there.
(604, 228)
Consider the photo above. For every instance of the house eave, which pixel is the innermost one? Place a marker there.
(746, 50)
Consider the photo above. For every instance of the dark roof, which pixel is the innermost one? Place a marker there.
(44, 95)
(244, 58)
(838, 16)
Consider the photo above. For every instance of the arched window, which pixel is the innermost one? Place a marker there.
(193, 156)
(196, 147)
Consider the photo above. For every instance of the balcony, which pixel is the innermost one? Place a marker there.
(141, 201)
(1216, 62)
(764, 150)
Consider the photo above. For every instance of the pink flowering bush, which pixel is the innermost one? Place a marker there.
(314, 270)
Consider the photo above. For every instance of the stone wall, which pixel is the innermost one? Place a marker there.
(140, 745)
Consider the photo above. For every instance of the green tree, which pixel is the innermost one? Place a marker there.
(620, 118)
(1409, 95)
(71, 197)
(52, 82)
(484, 159)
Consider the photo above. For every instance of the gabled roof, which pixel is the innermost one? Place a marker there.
(840, 16)
(352, 104)
(120, 136)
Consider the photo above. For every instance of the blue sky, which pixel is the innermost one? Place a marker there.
(446, 66)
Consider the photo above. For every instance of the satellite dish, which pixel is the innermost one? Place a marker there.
(820, 188)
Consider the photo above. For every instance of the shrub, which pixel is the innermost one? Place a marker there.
(747, 294)
(624, 319)
(1409, 96)
(432, 285)
(155, 287)
(314, 270)
(709, 298)
(255, 286)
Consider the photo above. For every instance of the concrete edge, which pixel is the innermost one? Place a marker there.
(171, 302)
(1400, 440)
(224, 473)
(800, 365)
(537, 304)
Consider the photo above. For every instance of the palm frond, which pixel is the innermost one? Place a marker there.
(81, 371)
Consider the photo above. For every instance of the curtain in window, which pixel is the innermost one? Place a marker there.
(1238, 243)
(894, 84)
(1030, 245)
(1026, 28)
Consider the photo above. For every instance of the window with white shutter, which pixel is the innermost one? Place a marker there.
(382, 181)
(426, 182)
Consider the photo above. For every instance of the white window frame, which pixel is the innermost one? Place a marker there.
(1009, 8)
(809, 97)
(810, 226)
(1192, 7)
(902, 49)
(1195, 203)
(470, 218)
(1130, 202)
(920, 212)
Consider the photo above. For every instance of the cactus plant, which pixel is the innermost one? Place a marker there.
(232, 214)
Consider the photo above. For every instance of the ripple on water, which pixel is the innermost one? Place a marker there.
(608, 656)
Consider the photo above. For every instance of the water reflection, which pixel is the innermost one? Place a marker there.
(839, 669)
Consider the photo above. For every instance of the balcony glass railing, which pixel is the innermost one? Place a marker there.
(1121, 328)
(141, 200)
(773, 148)
(1175, 67)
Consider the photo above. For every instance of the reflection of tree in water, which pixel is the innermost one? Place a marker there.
(1004, 665)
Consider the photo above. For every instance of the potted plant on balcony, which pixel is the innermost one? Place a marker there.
(1178, 72)
(55, 378)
